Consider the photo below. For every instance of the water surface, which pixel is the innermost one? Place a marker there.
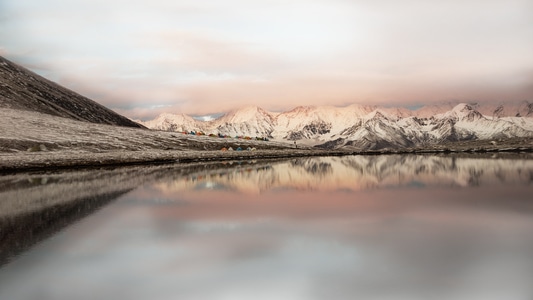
(361, 227)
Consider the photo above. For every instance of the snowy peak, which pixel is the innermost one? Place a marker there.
(246, 114)
(301, 110)
(461, 112)
(428, 111)
(250, 121)
(502, 110)
(174, 122)
(308, 121)
(525, 110)
(395, 112)
(377, 115)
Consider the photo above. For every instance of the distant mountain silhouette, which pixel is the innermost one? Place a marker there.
(24, 90)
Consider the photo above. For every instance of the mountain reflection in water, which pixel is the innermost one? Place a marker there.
(355, 173)
(359, 227)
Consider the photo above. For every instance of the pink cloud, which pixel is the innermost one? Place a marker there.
(200, 58)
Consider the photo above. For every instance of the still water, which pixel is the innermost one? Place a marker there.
(359, 227)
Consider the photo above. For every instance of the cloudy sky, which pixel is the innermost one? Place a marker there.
(142, 57)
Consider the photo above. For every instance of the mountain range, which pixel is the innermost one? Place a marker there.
(366, 127)
(24, 95)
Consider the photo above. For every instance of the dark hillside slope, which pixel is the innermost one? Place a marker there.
(22, 89)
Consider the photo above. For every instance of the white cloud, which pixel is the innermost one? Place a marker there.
(196, 56)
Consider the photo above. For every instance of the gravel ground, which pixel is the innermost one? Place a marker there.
(31, 140)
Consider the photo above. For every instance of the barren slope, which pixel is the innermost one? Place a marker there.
(23, 89)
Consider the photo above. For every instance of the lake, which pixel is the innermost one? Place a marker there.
(354, 227)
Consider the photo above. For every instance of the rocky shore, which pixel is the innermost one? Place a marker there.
(10, 162)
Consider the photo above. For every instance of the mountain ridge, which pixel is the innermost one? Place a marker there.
(368, 127)
(23, 89)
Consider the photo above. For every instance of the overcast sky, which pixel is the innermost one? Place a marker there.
(201, 57)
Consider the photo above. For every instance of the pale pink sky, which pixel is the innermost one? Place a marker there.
(198, 57)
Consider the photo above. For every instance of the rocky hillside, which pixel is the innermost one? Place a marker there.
(24, 90)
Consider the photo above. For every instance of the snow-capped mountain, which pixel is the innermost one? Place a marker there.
(317, 123)
(175, 122)
(523, 109)
(367, 127)
(249, 121)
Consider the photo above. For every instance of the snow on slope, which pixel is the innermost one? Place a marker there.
(431, 110)
(470, 124)
(501, 110)
(322, 123)
(249, 121)
(366, 127)
(174, 122)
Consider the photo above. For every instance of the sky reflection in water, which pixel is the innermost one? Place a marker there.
(378, 227)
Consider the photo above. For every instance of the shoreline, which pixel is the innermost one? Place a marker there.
(28, 145)
(63, 160)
